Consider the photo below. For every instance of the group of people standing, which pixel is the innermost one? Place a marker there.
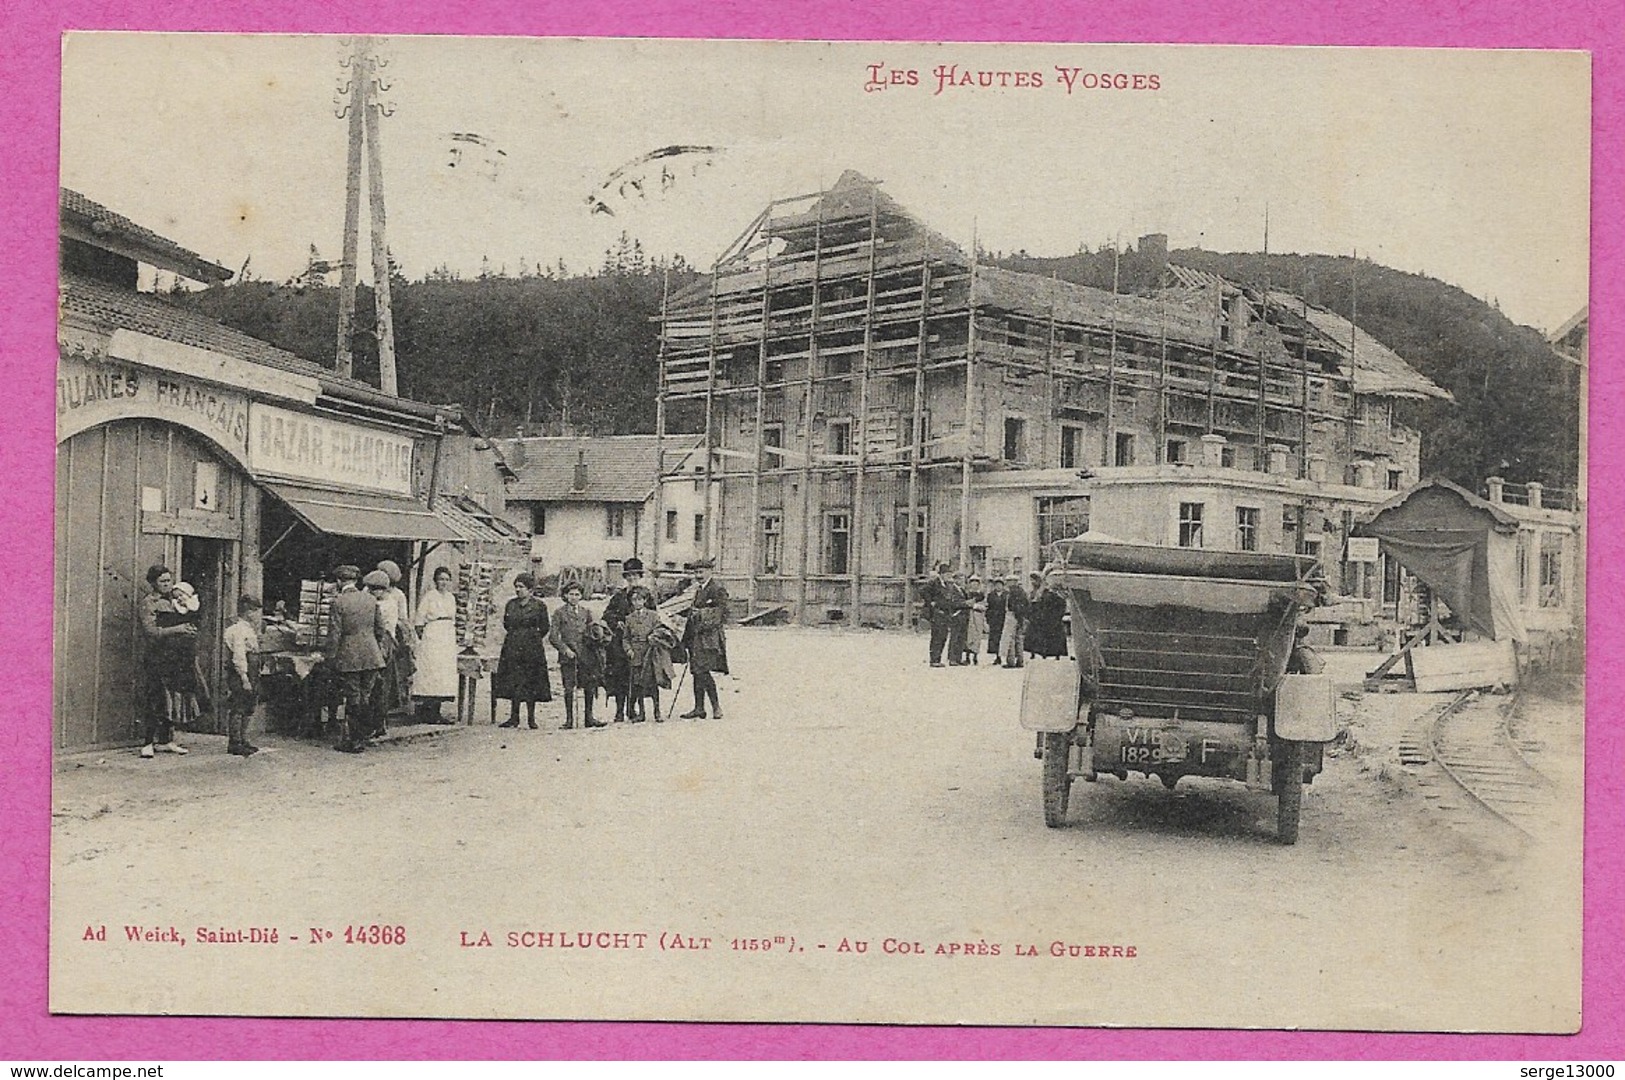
(628, 653)
(381, 661)
(378, 661)
(1009, 622)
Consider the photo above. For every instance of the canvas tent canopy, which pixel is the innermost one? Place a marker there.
(1462, 547)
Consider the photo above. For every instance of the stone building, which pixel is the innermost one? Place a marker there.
(876, 399)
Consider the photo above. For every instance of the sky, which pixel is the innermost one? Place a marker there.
(1469, 166)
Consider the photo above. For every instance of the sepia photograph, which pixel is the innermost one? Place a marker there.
(820, 532)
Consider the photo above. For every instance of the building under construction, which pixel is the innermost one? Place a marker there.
(876, 400)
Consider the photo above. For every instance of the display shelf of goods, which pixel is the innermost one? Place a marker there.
(475, 583)
(316, 607)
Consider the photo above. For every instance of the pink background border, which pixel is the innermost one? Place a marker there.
(29, 54)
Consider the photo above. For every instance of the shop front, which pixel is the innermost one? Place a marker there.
(238, 477)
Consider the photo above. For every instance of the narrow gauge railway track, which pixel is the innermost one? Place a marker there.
(1475, 749)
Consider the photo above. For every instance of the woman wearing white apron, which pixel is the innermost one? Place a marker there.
(435, 681)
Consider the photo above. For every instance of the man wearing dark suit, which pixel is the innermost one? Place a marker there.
(938, 610)
(706, 640)
(1017, 607)
(957, 602)
(356, 622)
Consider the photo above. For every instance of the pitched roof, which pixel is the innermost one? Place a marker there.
(1184, 313)
(1376, 369)
(905, 239)
(1428, 489)
(112, 307)
(1035, 294)
(620, 468)
(855, 196)
(161, 251)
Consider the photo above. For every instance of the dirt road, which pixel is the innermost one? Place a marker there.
(852, 795)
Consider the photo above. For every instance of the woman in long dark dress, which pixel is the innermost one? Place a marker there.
(1046, 628)
(522, 668)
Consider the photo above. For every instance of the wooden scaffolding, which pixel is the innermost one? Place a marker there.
(819, 345)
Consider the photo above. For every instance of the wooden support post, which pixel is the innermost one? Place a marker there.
(1213, 360)
(970, 402)
(803, 584)
(1049, 396)
(1162, 381)
(1263, 445)
(1303, 416)
(917, 443)
(1354, 311)
(1108, 439)
(861, 427)
(755, 523)
(1261, 338)
(660, 429)
(707, 548)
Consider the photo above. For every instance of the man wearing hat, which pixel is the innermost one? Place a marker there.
(356, 622)
(628, 598)
(931, 606)
(944, 602)
(1016, 605)
(705, 639)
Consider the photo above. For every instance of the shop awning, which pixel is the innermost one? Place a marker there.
(473, 522)
(371, 517)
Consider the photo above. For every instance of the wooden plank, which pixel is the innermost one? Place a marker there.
(1463, 667)
(771, 616)
(81, 536)
(118, 674)
(216, 526)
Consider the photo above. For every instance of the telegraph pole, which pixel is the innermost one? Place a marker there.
(385, 327)
(362, 110)
(353, 109)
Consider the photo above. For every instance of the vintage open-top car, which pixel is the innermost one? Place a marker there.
(1181, 669)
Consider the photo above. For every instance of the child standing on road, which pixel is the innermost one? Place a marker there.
(242, 642)
(976, 629)
(648, 672)
(580, 656)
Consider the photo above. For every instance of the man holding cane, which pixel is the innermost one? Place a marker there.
(705, 640)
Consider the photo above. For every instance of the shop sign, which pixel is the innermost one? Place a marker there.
(91, 390)
(299, 446)
(1362, 549)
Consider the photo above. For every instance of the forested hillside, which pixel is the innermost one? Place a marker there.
(557, 351)
(547, 350)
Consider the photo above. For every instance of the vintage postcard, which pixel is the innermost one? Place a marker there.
(820, 532)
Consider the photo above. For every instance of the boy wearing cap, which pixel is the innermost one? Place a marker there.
(574, 634)
(242, 644)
